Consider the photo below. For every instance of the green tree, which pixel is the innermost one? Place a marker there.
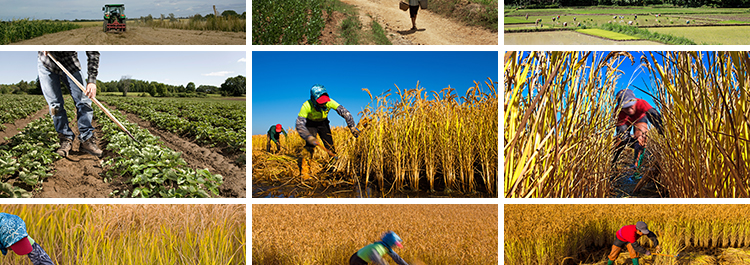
(190, 88)
(229, 13)
(233, 86)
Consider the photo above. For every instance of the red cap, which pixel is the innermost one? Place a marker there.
(323, 99)
(278, 127)
(22, 247)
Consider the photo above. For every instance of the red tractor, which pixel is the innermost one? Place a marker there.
(114, 17)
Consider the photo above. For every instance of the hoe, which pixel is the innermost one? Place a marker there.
(93, 99)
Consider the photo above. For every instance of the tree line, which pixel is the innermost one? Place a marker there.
(676, 3)
(232, 86)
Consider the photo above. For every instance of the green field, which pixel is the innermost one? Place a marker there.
(514, 20)
(607, 34)
(736, 35)
(623, 11)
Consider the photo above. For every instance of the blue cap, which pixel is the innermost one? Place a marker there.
(625, 98)
(317, 90)
(390, 238)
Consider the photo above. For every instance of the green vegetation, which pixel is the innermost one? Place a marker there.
(14, 107)
(28, 158)
(601, 10)
(378, 34)
(735, 35)
(645, 34)
(350, 30)
(228, 21)
(607, 34)
(514, 20)
(483, 13)
(18, 30)
(289, 21)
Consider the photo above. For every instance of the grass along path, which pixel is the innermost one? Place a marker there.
(607, 34)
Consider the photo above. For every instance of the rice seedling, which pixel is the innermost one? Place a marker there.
(135, 234)
(331, 233)
(558, 109)
(583, 234)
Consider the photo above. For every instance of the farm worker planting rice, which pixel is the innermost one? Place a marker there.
(373, 253)
(274, 134)
(637, 113)
(13, 236)
(628, 237)
(50, 76)
(313, 120)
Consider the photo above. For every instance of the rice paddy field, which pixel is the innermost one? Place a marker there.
(331, 233)
(559, 131)
(653, 19)
(565, 37)
(583, 234)
(134, 234)
(412, 144)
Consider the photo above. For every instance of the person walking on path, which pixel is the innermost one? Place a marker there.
(50, 76)
(413, 9)
(627, 237)
(274, 135)
(373, 253)
(13, 237)
(312, 121)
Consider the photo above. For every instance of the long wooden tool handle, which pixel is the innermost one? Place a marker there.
(92, 99)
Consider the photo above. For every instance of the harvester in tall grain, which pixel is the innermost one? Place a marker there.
(114, 17)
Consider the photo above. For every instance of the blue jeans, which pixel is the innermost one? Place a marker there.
(50, 83)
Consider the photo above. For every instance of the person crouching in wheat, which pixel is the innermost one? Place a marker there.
(13, 236)
(636, 113)
(628, 237)
(373, 253)
(313, 120)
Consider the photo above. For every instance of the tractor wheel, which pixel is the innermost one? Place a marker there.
(104, 26)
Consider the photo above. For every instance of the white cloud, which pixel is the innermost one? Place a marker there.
(242, 60)
(220, 73)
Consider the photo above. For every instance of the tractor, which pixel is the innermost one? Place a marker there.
(114, 17)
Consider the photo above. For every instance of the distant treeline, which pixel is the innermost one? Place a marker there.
(677, 3)
(233, 86)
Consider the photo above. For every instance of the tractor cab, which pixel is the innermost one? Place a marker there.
(114, 17)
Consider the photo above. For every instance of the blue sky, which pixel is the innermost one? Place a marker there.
(281, 81)
(85, 9)
(169, 67)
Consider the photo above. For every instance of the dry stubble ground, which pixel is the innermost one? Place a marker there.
(330, 234)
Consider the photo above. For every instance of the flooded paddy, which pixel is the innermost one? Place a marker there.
(564, 38)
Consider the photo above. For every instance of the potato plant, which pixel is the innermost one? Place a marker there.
(28, 158)
(14, 107)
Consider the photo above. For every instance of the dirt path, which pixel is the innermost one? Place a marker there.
(138, 36)
(433, 29)
(15, 127)
(200, 157)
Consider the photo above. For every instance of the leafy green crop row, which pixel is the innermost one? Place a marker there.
(289, 21)
(219, 124)
(14, 107)
(154, 171)
(28, 158)
(18, 30)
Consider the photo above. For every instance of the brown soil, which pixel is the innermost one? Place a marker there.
(138, 36)
(329, 35)
(15, 127)
(201, 157)
(433, 29)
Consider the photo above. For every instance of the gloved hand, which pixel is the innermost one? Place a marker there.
(354, 131)
(311, 141)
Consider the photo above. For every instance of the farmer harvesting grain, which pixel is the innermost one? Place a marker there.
(628, 237)
(313, 120)
(373, 253)
(274, 134)
(50, 76)
(13, 236)
(636, 113)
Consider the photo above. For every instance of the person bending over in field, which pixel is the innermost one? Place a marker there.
(274, 134)
(50, 76)
(373, 253)
(636, 113)
(13, 236)
(313, 120)
(628, 237)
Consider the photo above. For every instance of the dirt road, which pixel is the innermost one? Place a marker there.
(433, 29)
(138, 36)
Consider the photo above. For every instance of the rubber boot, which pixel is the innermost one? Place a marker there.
(635, 261)
(610, 262)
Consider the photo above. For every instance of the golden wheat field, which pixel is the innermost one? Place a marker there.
(134, 234)
(560, 126)
(330, 234)
(413, 143)
(583, 234)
